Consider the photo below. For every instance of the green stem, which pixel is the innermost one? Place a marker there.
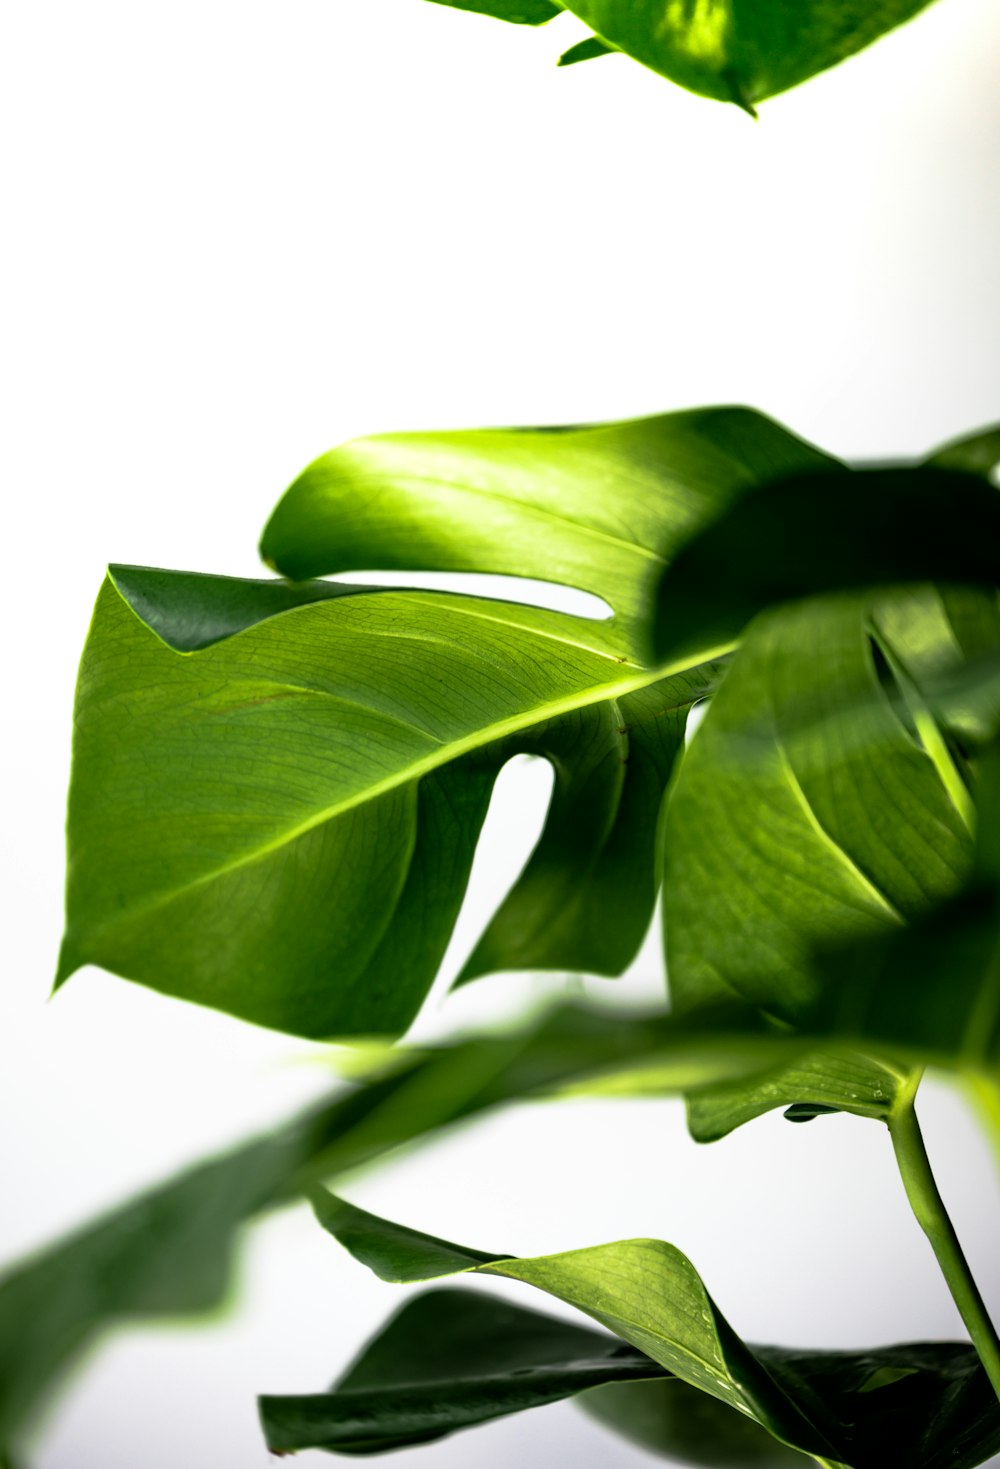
(932, 1216)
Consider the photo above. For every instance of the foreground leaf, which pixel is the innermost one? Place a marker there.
(922, 1405)
(169, 1252)
(277, 791)
(644, 1291)
(518, 12)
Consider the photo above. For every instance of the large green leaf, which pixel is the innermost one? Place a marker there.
(449, 1359)
(735, 50)
(923, 1405)
(281, 824)
(277, 791)
(602, 507)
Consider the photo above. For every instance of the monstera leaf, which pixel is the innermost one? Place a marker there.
(277, 790)
(930, 1404)
(734, 50)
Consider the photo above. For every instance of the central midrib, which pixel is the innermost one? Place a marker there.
(409, 772)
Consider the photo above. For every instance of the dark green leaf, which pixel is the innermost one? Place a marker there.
(979, 453)
(585, 50)
(825, 532)
(677, 1422)
(519, 12)
(449, 1359)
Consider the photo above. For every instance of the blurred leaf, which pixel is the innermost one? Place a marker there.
(727, 49)
(519, 12)
(168, 1252)
(979, 453)
(449, 1359)
(826, 532)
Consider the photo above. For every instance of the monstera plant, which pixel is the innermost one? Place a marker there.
(278, 787)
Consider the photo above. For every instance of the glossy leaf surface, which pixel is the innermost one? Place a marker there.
(644, 1291)
(930, 1404)
(449, 1359)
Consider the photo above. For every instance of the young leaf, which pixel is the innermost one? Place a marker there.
(449, 1359)
(643, 1290)
(585, 50)
(924, 1405)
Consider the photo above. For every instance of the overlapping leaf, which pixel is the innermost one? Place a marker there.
(735, 50)
(924, 1405)
(169, 1252)
(277, 791)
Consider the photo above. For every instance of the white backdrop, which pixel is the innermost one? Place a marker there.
(236, 233)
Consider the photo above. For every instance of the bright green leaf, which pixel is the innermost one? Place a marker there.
(585, 50)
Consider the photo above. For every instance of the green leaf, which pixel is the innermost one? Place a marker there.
(738, 51)
(825, 532)
(978, 453)
(169, 1251)
(585, 50)
(601, 508)
(278, 790)
(449, 1359)
(771, 849)
(643, 1290)
(267, 824)
(519, 12)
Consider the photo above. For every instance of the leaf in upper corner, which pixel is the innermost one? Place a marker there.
(730, 50)
(449, 1359)
(518, 12)
(277, 790)
(826, 532)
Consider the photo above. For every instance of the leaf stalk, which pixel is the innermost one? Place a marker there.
(932, 1216)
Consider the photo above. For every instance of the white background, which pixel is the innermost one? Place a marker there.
(236, 233)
